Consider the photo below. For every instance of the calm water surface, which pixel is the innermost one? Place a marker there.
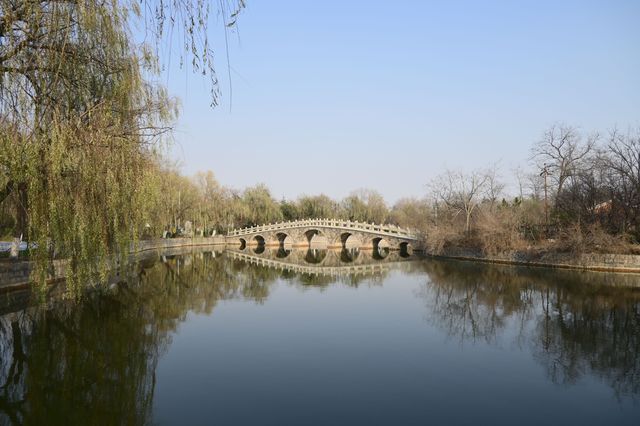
(317, 337)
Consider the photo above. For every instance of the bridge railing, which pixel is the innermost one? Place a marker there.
(391, 230)
(315, 270)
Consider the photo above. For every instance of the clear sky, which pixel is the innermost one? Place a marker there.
(331, 96)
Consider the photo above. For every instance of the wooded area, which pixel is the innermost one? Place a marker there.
(582, 194)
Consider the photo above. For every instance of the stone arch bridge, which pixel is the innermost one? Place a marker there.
(329, 233)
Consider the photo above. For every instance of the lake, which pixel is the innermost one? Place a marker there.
(280, 337)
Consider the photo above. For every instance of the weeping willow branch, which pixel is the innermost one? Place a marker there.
(81, 121)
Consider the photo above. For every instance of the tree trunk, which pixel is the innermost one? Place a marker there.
(22, 224)
(6, 191)
(22, 219)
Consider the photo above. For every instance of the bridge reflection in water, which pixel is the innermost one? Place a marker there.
(322, 261)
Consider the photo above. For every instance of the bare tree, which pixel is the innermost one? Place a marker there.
(535, 184)
(562, 151)
(623, 163)
(461, 192)
(520, 176)
(495, 186)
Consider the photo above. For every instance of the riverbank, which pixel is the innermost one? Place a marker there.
(16, 274)
(597, 262)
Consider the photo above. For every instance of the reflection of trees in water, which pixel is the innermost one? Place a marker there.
(77, 363)
(470, 304)
(324, 281)
(253, 279)
(311, 280)
(599, 334)
(73, 362)
(573, 324)
(95, 360)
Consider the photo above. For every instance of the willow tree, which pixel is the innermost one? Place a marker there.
(262, 207)
(81, 119)
(366, 205)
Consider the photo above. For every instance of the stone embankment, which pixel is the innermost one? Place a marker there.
(16, 274)
(623, 263)
(161, 244)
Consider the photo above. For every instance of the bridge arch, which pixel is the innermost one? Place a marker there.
(405, 249)
(316, 237)
(258, 243)
(284, 239)
(243, 243)
(258, 240)
(379, 243)
(347, 240)
(380, 248)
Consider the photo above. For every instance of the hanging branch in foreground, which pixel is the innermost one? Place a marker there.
(82, 120)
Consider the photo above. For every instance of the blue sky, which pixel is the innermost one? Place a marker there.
(331, 96)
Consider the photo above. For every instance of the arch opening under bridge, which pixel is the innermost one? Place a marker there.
(316, 238)
(348, 240)
(284, 239)
(406, 249)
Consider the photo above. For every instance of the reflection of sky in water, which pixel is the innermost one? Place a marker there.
(378, 354)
